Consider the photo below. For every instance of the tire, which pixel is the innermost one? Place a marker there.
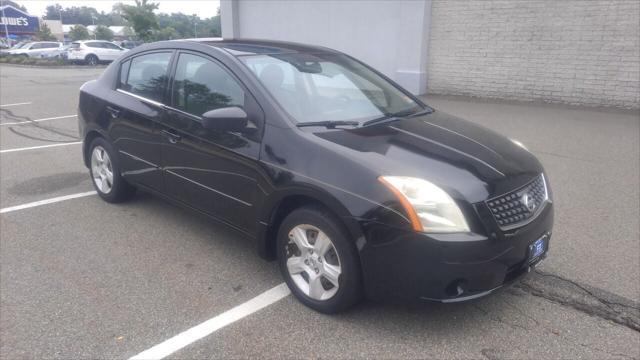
(102, 162)
(317, 263)
(91, 60)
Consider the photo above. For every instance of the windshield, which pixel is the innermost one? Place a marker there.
(328, 87)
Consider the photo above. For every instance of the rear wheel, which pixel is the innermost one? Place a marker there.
(105, 173)
(91, 60)
(319, 263)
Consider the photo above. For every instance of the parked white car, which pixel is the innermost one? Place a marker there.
(93, 52)
(38, 49)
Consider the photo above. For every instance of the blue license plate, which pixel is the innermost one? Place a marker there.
(537, 249)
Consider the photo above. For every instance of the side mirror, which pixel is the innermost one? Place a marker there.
(232, 119)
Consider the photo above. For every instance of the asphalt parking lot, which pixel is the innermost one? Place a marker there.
(80, 278)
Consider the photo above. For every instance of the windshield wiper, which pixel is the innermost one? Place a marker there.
(331, 124)
(423, 112)
(381, 120)
(395, 117)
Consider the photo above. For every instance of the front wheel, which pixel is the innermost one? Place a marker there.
(92, 60)
(319, 263)
(105, 173)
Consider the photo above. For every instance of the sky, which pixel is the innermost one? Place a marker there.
(203, 8)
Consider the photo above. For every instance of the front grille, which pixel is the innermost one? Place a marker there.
(520, 206)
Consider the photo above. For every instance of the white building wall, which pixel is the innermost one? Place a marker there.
(392, 36)
(577, 52)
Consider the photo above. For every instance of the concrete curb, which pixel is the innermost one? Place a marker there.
(54, 66)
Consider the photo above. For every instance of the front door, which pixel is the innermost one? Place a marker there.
(213, 171)
(135, 109)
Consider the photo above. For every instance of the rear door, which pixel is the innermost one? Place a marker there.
(49, 49)
(96, 48)
(213, 171)
(135, 109)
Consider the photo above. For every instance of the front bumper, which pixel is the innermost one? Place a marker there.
(447, 267)
(75, 56)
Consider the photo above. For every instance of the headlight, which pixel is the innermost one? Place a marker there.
(430, 208)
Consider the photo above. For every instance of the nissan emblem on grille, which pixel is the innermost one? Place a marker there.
(519, 206)
(529, 203)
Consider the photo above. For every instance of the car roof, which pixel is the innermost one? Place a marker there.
(239, 47)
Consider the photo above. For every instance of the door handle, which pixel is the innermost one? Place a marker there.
(171, 136)
(113, 112)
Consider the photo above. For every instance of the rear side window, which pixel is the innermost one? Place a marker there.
(74, 46)
(94, 45)
(201, 85)
(111, 46)
(146, 75)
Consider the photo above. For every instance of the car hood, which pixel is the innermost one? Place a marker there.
(471, 162)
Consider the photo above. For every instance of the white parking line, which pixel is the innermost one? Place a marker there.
(47, 201)
(208, 327)
(16, 104)
(39, 147)
(37, 120)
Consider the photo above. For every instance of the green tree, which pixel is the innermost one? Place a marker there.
(54, 12)
(166, 33)
(140, 17)
(44, 33)
(128, 33)
(83, 15)
(103, 33)
(79, 32)
(184, 25)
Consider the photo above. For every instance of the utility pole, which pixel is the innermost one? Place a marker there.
(6, 29)
(195, 26)
(93, 21)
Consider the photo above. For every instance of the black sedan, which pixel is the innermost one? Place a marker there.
(355, 186)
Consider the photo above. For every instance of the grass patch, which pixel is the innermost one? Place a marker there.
(23, 60)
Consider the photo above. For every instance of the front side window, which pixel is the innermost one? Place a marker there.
(328, 87)
(146, 75)
(201, 85)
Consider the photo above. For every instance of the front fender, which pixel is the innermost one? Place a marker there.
(297, 193)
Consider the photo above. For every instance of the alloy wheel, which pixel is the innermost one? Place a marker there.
(313, 262)
(101, 169)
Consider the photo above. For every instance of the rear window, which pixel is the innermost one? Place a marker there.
(146, 75)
